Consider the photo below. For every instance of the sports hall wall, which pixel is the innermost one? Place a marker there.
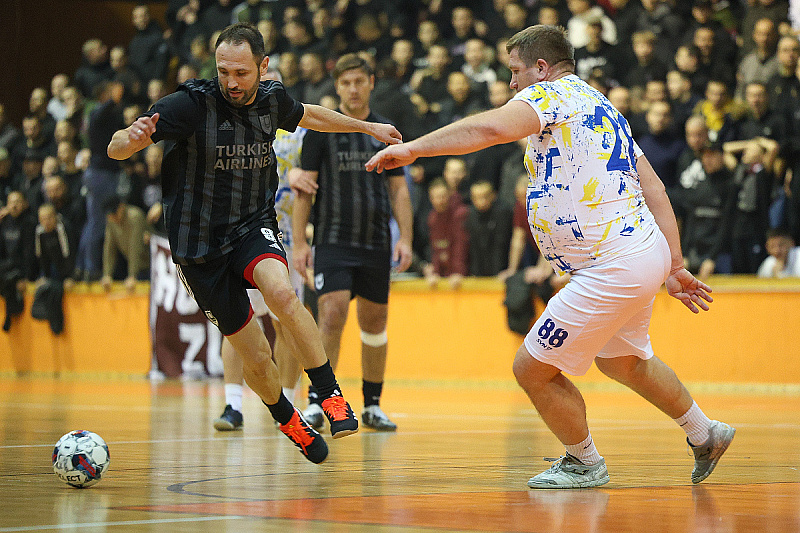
(749, 336)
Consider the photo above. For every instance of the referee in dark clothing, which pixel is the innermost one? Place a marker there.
(218, 176)
(352, 242)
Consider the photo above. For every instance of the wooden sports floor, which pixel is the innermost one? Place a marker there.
(459, 462)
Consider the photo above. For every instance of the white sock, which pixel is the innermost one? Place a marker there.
(289, 393)
(696, 425)
(233, 396)
(585, 451)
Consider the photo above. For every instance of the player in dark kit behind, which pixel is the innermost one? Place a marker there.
(218, 176)
(352, 244)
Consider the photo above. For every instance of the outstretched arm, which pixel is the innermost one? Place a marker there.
(135, 137)
(320, 118)
(680, 284)
(511, 122)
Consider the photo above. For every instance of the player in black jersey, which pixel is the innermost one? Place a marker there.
(352, 243)
(218, 177)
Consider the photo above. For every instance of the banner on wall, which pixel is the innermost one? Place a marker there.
(185, 343)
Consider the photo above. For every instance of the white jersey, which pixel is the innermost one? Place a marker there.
(287, 148)
(585, 202)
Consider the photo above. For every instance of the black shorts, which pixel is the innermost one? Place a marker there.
(220, 286)
(363, 272)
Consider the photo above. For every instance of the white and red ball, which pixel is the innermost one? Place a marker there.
(80, 458)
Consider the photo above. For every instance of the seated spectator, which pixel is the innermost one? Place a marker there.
(17, 260)
(687, 60)
(584, 13)
(648, 66)
(596, 54)
(449, 240)
(784, 257)
(67, 155)
(428, 34)
(489, 225)
(316, 81)
(706, 227)
(760, 64)
(148, 53)
(289, 68)
(462, 21)
(722, 113)
(761, 121)
(455, 174)
(681, 98)
(72, 210)
(126, 226)
(461, 100)
(661, 146)
(56, 106)
(476, 65)
(30, 181)
(95, 68)
(751, 162)
(430, 84)
(66, 131)
(784, 87)
(403, 56)
(54, 246)
(714, 60)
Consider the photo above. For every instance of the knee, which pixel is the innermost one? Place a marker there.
(524, 370)
(618, 368)
(282, 301)
(332, 318)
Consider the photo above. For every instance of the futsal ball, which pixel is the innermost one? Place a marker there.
(80, 458)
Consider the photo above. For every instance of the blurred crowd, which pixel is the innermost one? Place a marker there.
(711, 89)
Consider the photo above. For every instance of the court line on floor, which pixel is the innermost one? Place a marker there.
(121, 523)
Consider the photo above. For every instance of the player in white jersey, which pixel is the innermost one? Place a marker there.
(597, 210)
(287, 146)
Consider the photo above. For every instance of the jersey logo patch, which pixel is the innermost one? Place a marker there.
(319, 281)
(266, 123)
(226, 126)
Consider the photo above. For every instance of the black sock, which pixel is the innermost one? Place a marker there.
(372, 392)
(313, 395)
(323, 380)
(282, 411)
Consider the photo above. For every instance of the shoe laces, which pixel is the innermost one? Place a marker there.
(297, 430)
(335, 407)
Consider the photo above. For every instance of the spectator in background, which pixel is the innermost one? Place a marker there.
(751, 162)
(403, 56)
(75, 107)
(461, 100)
(125, 75)
(620, 97)
(152, 194)
(67, 154)
(784, 87)
(648, 66)
(124, 235)
(289, 67)
(253, 11)
(659, 19)
(476, 65)
(101, 178)
(681, 98)
(687, 60)
(148, 52)
(596, 53)
(54, 247)
(30, 181)
(316, 81)
(56, 106)
(17, 260)
(660, 144)
(714, 60)
(722, 113)
(784, 257)
(428, 34)
(94, 68)
(9, 134)
(449, 238)
(430, 84)
(217, 16)
(462, 20)
(71, 210)
(761, 64)
(775, 10)
(6, 184)
(489, 225)
(583, 13)
(707, 223)
(66, 131)
(761, 120)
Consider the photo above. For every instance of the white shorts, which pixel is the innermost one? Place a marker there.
(603, 311)
(257, 302)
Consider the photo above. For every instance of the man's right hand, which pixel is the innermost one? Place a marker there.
(301, 259)
(142, 128)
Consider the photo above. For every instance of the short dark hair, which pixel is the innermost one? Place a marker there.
(542, 42)
(350, 62)
(244, 32)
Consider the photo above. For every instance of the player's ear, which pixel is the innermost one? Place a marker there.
(262, 68)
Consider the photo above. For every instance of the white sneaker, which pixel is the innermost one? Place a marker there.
(374, 417)
(569, 473)
(314, 415)
(707, 454)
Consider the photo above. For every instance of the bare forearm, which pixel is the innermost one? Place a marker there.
(121, 147)
(320, 118)
(658, 202)
(401, 207)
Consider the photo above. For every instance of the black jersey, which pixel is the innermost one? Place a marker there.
(219, 172)
(352, 205)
